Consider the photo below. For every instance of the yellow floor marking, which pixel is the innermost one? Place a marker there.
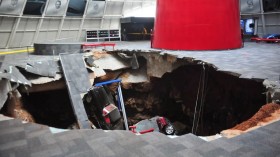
(17, 51)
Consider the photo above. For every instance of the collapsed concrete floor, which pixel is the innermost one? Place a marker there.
(192, 94)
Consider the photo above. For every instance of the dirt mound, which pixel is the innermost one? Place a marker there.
(15, 108)
(267, 113)
(261, 116)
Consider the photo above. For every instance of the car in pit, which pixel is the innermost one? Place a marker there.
(101, 109)
(159, 124)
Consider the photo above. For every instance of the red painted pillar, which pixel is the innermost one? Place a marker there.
(197, 25)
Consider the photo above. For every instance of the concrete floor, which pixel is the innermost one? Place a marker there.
(32, 140)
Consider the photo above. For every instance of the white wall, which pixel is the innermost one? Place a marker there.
(268, 20)
(24, 30)
(272, 24)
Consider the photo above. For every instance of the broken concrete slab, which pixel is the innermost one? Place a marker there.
(132, 59)
(48, 86)
(22, 60)
(98, 72)
(43, 68)
(75, 71)
(5, 88)
(43, 80)
(135, 76)
(273, 91)
(111, 62)
(14, 75)
(157, 65)
(77, 80)
(89, 61)
(90, 65)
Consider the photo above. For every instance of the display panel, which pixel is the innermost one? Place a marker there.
(11, 7)
(250, 6)
(95, 8)
(114, 33)
(103, 33)
(91, 34)
(56, 7)
(249, 26)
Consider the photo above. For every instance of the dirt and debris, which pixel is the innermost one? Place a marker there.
(15, 108)
(273, 91)
(268, 113)
(262, 115)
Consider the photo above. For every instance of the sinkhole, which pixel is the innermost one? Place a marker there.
(196, 98)
(200, 101)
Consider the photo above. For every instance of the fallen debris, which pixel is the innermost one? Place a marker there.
(14, 75)
(267, 114)
(111, 62)
(47, 68)
(5, 88)
(158, 65)
(132, 76)
(15, 108)
(42, 80)
(78, 83)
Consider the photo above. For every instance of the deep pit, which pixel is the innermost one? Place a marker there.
(50, 108)
(225, 101)
(195, 97)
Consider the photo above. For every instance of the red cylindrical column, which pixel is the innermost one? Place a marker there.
(197, 25)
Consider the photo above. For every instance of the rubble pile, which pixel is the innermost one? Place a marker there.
(262, 115)
(16, 109)
(267, 114)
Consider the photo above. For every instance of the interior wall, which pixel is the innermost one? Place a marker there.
(266, 14)
(25, 30)
(272, 24)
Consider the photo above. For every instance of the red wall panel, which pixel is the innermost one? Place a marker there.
(197, 25)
